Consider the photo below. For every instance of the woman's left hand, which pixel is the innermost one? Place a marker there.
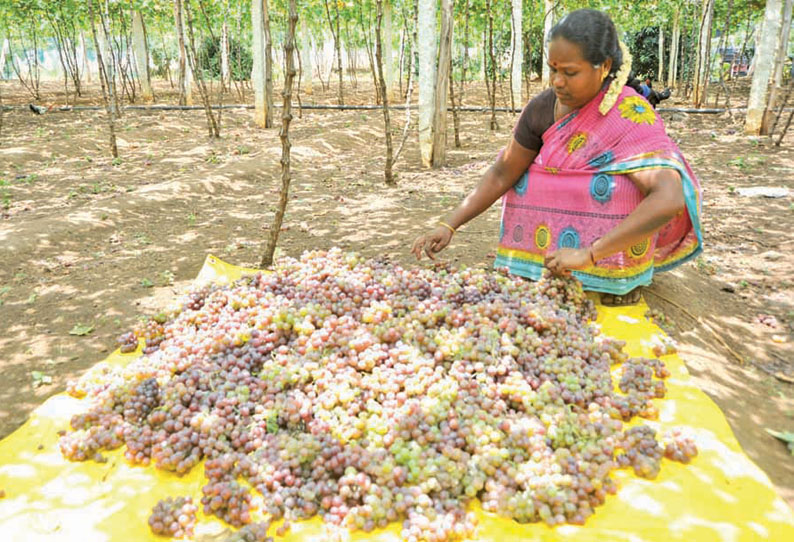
(562, 261)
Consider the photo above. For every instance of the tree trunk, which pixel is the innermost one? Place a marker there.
(337, 49)
(465, 65)
(286, 118)
(660, 73)
(723, 42)
(105, 83)
(780, 59)
(673, 60)
(516, 57)
(307, 68)
(180, 34)
(110, 64)
(339, 57)
(702, 63)
(759, 33)
(548, 20)
(455, 116)
(426, 43)
(388, 38)
(741, 57)
(268, 66)
(141, 55)
(85, 64)
(263, 107)
(442, 79)
(384, 90)
(3, 48)
(756, 105)
(491, 72)
(226, 73)
(213, 125)
(783, 42)
(370, 50)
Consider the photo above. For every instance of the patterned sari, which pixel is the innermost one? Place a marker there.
(577, 190)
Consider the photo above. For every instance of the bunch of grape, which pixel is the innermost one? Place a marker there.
(368, 393)
(678, 446)
(174, 517)
(253, 532)
(127, 342)
(641, 451)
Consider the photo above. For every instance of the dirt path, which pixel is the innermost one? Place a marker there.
(89, 241)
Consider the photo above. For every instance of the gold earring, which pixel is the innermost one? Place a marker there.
(604, 76)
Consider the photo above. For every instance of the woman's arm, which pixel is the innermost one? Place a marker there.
(664, 199)
(499, 178)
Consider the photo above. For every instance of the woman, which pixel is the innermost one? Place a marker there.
(602, 192)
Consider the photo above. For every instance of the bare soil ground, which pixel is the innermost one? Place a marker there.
(91, 241)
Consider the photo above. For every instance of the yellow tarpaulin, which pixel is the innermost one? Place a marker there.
(721, 496)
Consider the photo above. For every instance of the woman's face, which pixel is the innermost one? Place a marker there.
(575, 81)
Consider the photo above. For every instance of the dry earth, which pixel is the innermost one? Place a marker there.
(89, 241)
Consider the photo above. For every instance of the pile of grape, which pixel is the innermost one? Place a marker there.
(173, 517)
(366, 393)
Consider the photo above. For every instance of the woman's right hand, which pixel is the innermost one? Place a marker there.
(432, 243)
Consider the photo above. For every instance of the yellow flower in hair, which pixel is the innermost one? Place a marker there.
(637, 110)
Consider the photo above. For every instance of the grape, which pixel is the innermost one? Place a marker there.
(678, 446)
(174, 517)
(366, 393)
(127, 342)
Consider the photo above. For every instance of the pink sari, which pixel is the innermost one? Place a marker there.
(577, 190)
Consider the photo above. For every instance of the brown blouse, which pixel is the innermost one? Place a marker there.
(536, 118)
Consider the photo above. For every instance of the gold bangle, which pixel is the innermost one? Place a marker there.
(453, 230)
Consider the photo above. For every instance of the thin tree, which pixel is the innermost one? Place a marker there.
(226, 74)
(465, 63)
(411, 45)
(426, 43)
(748, 33)
(213, 125)
(107, 96)
(388, 57)
(765, 54)
(384, 92)
(673, 58)
(721, 48)
(337, 48)
(660, 71)
(141, 54)
(516, 55)
(263, 71)
(369, 48)
(180, 33)
(702, 63)
(286, 118)
(780, 59)
(31, 82)
(491, 71)
(453, 103)
(65, 31)
(548, 21)
(442, 78)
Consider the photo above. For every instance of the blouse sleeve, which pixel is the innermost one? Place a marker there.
(535, 119)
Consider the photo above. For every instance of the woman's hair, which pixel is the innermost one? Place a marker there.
(595, 33)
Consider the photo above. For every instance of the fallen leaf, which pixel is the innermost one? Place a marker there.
(81, 330)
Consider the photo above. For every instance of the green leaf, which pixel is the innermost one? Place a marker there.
(40, 379)
(146, 283)
(785, 436)
(81, 330)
